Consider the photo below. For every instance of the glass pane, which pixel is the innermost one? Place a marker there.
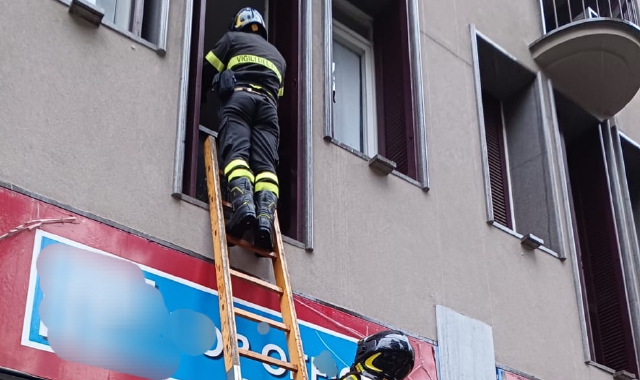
(123, 13)
(347, 109)
(109, 7)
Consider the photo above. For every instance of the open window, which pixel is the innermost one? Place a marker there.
(520, 195)
(146, 19)
(373, 105)
(354, 116)
(210, 21)
(602, 272)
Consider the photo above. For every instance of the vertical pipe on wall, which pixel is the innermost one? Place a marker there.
(183, 100)
(307, 123)
(327, 44)
(418, 93)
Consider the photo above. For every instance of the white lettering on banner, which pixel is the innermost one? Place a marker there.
(269, 348)
(218, 349)
(243, 342)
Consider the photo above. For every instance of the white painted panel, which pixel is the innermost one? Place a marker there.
(465, 347)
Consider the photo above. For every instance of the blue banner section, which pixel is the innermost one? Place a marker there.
(180, 294)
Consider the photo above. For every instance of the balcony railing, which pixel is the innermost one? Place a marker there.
(561, 12)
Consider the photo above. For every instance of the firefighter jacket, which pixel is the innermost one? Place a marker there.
(253, 60)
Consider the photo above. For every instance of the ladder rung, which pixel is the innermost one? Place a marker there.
(259, 318)
(246, 245)
(257, 281)
(267, 359)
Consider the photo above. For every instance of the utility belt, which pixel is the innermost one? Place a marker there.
(225, 84)
(256, 90)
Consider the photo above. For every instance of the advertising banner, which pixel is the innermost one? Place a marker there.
(185, 284)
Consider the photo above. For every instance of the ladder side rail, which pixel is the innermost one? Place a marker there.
(287, 306)
(222, 265)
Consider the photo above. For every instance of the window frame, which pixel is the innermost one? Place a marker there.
(134, 32)
(623, 265)
(551, 160)
(417, 91)
(629, 241)
(623, 219)
(305, 121)
(365, 49)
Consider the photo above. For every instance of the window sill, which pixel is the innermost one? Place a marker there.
(159, 50)
(367, 158)
(198, 203)
(519, 236)
(600, 367)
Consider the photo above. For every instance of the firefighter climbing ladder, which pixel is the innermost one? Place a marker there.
(224, 272)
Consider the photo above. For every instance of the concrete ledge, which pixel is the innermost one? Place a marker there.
(382, 165)
(624, 375)
(87, 10)
(531, 241)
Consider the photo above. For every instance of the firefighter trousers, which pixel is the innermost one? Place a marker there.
(249, 131)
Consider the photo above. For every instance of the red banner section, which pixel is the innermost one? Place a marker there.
(21, 216)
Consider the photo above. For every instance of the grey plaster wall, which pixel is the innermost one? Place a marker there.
(511, 24)
(88, 118)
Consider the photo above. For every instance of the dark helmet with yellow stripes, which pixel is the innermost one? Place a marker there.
(251, 21)
(384, 355)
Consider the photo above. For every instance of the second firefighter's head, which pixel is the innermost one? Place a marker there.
(385, 355)
(249, 20)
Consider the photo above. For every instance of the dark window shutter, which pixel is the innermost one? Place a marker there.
(599, 252)
(396, 136)
(493, 128)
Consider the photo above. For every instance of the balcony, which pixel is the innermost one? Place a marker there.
(591, 51)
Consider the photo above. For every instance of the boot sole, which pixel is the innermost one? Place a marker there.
(241, 227)
(262, 240)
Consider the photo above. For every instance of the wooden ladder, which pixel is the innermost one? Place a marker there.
(224, 272)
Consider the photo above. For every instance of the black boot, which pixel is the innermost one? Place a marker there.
(244, 210)
(266, 203)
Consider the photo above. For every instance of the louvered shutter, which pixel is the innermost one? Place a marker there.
(396, 136)
(599, 251)
(497, 160)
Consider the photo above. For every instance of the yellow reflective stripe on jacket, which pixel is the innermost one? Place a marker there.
(215, 61)
(281, 91)
(248, 58)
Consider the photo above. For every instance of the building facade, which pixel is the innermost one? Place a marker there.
(467, 172)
